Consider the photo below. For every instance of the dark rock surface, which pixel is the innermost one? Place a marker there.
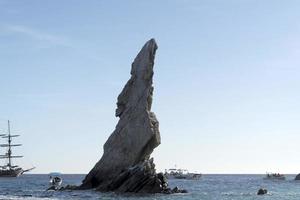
(126, 165)
(262, 191)
(297, 178)
(69, 187)
(140, 178)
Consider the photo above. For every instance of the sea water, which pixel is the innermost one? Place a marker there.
(215, 187)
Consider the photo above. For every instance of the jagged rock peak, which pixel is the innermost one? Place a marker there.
(135, 136)
(141, 78)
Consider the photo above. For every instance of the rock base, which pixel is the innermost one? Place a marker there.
(141, 178)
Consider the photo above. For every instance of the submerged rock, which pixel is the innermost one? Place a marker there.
(262, 191)
(126, 165)
(69, 187)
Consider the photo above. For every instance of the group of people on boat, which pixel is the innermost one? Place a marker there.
(181, 174)
(274, 175)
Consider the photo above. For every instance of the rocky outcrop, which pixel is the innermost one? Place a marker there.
(262, 191)
(126, 165)
(297, 178)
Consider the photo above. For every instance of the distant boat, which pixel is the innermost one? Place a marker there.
(181, 174)
(9, 170)
(274, 176)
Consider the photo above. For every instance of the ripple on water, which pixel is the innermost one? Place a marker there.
(223, 187)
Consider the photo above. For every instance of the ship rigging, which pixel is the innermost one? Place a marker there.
(8, 169)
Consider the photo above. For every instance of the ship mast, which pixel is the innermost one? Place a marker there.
(9, 145)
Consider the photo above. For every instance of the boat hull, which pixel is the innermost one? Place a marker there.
(274, 178)
(11, 173)
(189, 176)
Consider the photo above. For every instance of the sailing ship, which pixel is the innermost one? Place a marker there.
(10, 170)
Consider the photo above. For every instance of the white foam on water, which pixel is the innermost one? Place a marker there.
(10, 197)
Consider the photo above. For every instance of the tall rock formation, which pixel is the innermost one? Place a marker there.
(126, 165)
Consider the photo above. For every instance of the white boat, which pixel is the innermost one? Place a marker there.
(54, 182)
(181, 174)
(274, 176)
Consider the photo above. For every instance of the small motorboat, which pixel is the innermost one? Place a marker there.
(274, 176)
(54, 183)
(181, 174)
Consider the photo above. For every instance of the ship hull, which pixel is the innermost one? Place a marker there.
(11, 173)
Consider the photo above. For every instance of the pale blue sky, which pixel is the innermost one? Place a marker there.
(226, 80)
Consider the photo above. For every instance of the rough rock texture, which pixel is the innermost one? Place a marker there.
(126, 165)
(262, 191)
(297, 178)
(139, 178)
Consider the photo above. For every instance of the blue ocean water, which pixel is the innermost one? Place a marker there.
(209, 187)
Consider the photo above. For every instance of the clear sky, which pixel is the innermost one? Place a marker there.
(227, 80)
